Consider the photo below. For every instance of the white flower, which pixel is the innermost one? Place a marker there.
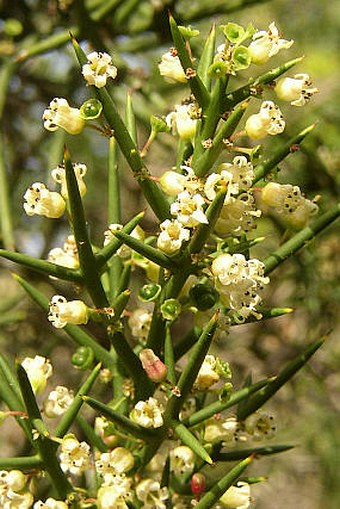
(172, 235)
(183, 121)
(67, 256)
(188, 209)
(38, 370)
(13, 479)
(237, 215)
(267, 44)
(217, 429)
(171, 68)
(58, 401)
(58, 175)
(297, 90)
(260, 425)
(63, 312)
(74, 456)
(238, 281)
(151, 494)
(124, 251)
(41, 201)
(13, 500)
(207, 375)
(60, 114)
(98, 69)
(148, 414)
(242, 172)
(174, 183)
(217, 182)
(50, 503)
(269, 120)
(237, 497)
(289, 203)
(118, 461)
(109, 497)
(139, 322)
(182, 460)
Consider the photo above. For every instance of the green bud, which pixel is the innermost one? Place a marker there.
(150, 292)
(223, 368)
(188, 32)
(158, 124)
(91, 109)
(241, 57)
(83, 358)
(233, 32)
(218, 69)
(204, 296)
(12, 27)
(170, 309)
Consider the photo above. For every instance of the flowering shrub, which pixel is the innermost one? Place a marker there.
(171, 412)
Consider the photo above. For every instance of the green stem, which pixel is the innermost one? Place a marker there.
(88, 265)
(23, 463)
(300, 239)
(7, 233)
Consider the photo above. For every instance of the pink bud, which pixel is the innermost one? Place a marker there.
(154, 367)
(198, 483)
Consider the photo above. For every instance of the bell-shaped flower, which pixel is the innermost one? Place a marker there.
(151, 494)
(74, 455)
(60, 114)
(139, 322)
(153, 366)
(58, 401)
(50, 503)
(267, 44)
(39, 370)
(182, 460)
(173, 183)
(207, 375)
(148, 414)
(237, 496)
(237, 215)
(109, 497)
(260, 425)
(67, 256)
(188, 209)
(242, 172)
(269, 120)
(120, 460)
(41, 201)
(220, 430)
(172, 235)
(98, 69)
(171, 68)
(297, 90)
(63, 312)
(183, 121)
(13, 479)
(59, 176)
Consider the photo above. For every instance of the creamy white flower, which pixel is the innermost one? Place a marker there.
(148, 414)
(13, 479)
(39, 370)
(260, 425)
(217, 182)
(58, 401)
(50, 503)
(188, 209)
(289, 203)
(297, 90)
(41, 201)
(220, 430)
(172, 235)
(74, 455)
(10, 499)
(124, 251)
(269, 120)
(109, 497)
(151, 494)
(267, 44)
(139, 322)
(207, 375)
(171, 68)
(174, 183)
(98, 69)
(67, 256)
(118, 461)
(242, 172)
(60, 114)
(237, 215)
(183, 121)
(237, 497)
(182, 460)
(59, 176)
(63, 312)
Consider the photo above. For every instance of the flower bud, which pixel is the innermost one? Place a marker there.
(204, 296)
(198, 483)
(83, 357)
(153, 366)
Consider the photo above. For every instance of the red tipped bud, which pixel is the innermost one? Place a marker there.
(154, 367)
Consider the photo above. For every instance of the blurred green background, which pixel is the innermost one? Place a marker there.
(136, 34)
